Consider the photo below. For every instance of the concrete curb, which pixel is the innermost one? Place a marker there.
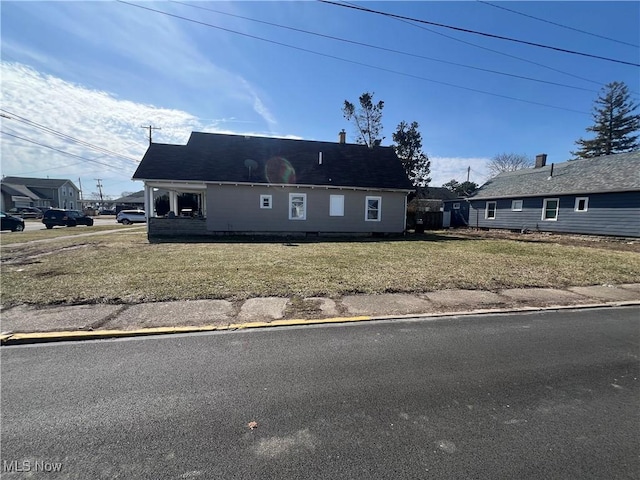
(9, 339)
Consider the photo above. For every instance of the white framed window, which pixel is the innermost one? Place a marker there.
(490, 210)
(266, 201)
(373, 209)
(516, 205)
(456, 206)
(71, 192)
(336, 205)
(297, 206)
(550, 209)
(582, 204)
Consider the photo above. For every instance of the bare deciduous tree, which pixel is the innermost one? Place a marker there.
(508, 162)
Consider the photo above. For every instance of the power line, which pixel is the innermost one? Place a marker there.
(353, 42)
(353, 61)
(558, 24)
(498, 52)
(14, 116)
(475, 32)
(60, 151)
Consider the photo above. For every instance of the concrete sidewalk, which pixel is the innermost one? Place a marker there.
(24, 324)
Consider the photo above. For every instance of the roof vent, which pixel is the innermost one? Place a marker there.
(251, 165)
(319, 158)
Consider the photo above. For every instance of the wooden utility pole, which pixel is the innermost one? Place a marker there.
(99, 185)
(150, 128)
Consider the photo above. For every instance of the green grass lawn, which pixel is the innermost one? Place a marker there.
(124, 267)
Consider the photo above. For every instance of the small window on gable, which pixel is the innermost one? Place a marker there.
(265, 201)
(336, 205)
(516, 205)
(490, 211)
(372, 209)
(550, 209)
(582, 204)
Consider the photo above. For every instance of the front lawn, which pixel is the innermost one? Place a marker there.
(124, 267)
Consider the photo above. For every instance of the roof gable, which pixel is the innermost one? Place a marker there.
(610, 173)
(209, 157)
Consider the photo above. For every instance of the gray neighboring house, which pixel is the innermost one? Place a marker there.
(260, 185)
(43, 193)
(598, 196)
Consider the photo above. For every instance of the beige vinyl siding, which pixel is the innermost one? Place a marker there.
(232, 208)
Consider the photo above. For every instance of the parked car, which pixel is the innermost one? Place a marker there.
(56, 217)
(25, 212)
(107, 211)
(127, 217)
(9, 222)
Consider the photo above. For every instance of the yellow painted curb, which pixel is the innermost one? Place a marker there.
(41, 337)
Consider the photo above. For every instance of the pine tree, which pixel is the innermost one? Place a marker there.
(367, 118)
(614, 124)
(408, 147)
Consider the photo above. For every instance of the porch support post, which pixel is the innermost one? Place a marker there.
(148, 202)
(173, 202)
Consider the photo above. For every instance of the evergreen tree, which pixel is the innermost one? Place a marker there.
(408, 147)
(367, 119)
(463, 189)
(614, 124)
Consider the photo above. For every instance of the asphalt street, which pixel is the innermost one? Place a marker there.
(523, 396)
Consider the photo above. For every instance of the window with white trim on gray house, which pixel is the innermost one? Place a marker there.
(582, 204)
(265, 201)
(490, 210)
(516, 205)
(297, 206)
(336, 205)
(550, 209)
(373, 207)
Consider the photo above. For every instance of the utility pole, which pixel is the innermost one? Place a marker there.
(99, 185)
(468, 172)
(80, 184)
(150, 128)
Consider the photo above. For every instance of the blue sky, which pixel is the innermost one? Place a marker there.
(98, 71)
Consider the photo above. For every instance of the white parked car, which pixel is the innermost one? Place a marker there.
(127, 217)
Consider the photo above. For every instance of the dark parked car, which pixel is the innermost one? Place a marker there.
(9, 222)
(26, 212)
(56, 217)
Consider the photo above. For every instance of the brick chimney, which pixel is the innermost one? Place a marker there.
(541, 160)
(342, 136)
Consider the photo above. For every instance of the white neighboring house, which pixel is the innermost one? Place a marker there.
(43, 193)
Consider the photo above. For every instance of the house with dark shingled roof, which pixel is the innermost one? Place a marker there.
(597, 196)
(235, 184)
(42, 193)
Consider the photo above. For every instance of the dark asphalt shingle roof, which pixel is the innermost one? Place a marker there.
(610, 173)
(211, 157)
(437, 193)
(37, 182)
(19, 191)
